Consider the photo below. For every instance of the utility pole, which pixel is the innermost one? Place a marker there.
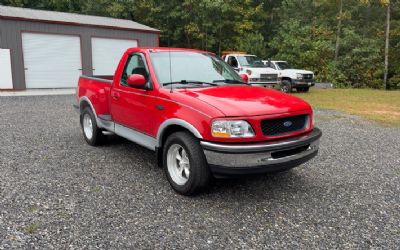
(387, 45)
(339, 27)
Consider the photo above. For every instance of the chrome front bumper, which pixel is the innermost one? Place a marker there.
(228, 159)
(274, 85)
(303, 83)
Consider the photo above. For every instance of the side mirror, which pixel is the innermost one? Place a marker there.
(245, 78)
(136, 81)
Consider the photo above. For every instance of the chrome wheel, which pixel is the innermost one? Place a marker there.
(88, 126)
(285, 89)
(178, 164)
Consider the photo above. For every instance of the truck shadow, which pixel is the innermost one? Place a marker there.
(253, 185)
(265, 186)
(246, 187)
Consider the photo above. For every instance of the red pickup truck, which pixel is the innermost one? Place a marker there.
(200, 117)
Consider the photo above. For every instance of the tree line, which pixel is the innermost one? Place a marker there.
(351, 43)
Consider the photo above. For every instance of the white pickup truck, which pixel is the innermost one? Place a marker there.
(298, 79)
(258, 73)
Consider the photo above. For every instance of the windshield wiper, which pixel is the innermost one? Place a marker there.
(189, 82)
(230, 81)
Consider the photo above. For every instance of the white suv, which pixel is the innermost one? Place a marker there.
(298, 79)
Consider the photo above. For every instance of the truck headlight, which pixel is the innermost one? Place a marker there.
(231, 129)
(299, 76)
(248, 72)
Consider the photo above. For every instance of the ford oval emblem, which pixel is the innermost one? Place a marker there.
(287, 124)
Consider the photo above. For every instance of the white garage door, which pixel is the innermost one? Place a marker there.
(5, 69)
(107, 53)
(51, 61)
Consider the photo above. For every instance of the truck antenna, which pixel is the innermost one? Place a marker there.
(169, 56)
(170, 68)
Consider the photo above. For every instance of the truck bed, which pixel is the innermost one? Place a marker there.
(97, 89)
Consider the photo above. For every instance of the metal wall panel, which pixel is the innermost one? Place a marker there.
(10, 38)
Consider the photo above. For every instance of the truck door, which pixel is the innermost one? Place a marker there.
(131, 107)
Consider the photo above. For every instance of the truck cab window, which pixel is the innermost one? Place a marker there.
(233, 62)
(135, 65)
(271, 65)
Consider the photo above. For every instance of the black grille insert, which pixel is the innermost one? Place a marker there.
(268, 77)
(289, 152)
(284, 125)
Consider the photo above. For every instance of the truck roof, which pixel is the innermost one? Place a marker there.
(226, 52)
(163, 49)
(239, 55)
(273, 61)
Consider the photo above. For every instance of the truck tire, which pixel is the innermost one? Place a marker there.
(303, 89)
(93, 135)
(286, 86)
(185, 164)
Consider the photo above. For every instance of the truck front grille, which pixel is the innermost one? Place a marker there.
(284, 125)
(268, 77)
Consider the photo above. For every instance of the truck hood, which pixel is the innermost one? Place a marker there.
(258, 71)
(247, 100)
(294, 71)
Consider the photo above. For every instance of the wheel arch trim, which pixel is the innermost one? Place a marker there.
(286, 78)
(86, 99)
(179, 122)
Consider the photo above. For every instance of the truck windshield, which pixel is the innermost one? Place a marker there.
(283, 65)
(192, 68)
(251, 61)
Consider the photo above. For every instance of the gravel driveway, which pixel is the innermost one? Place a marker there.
(58, 192)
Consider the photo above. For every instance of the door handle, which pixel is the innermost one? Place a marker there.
(115, 95)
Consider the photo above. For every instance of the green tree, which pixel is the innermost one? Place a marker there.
(347, 42)
(305, 46)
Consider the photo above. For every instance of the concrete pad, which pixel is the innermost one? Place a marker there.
(38, 92)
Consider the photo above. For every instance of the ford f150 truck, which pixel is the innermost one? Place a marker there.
(199, 116)
(298, 79)
(259, 74)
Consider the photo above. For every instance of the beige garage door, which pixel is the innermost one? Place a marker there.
(107, 53)
(51, 61)
(5, 69)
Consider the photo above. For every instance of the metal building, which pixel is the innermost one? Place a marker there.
(47, 49)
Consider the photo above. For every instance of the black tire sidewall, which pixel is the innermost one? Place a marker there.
(287, 84)
(199, 172)
(94, 140)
